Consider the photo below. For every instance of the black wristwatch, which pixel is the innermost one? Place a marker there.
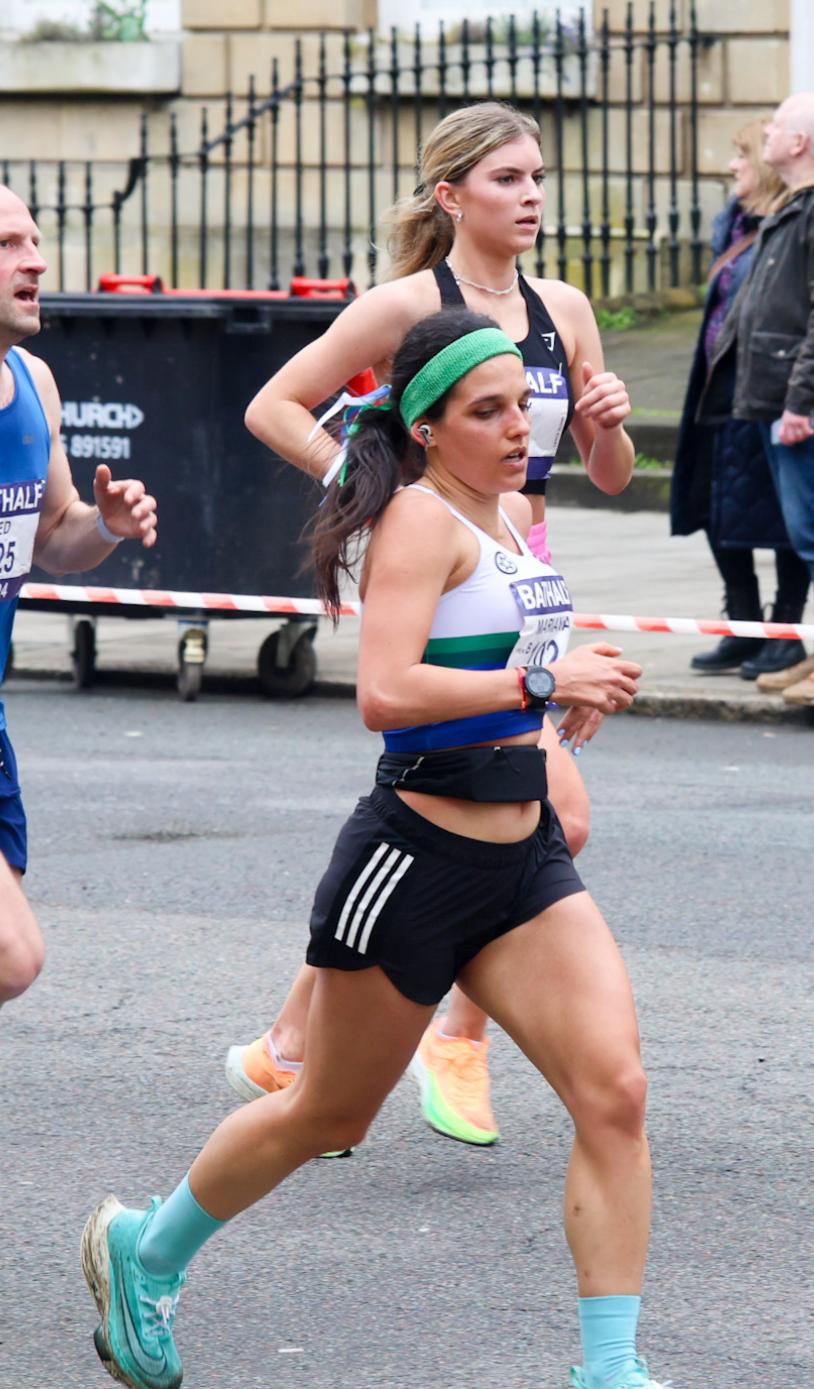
(538, 686)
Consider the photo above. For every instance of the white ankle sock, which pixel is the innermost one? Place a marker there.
(281, 1061)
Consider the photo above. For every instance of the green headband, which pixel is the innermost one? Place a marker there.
(448, 366)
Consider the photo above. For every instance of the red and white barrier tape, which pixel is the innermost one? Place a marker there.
(311, 607)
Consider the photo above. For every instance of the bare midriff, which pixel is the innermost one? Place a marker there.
(503, 822)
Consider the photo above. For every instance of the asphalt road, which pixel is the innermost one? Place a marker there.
(175, 851)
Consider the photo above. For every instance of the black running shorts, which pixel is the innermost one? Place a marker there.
(421, 902)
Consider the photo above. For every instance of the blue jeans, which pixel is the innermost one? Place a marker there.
(792, 467)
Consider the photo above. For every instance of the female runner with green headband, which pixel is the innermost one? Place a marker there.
(456, 240)
(454, 601)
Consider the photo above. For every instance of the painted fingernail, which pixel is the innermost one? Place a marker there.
(577, 751)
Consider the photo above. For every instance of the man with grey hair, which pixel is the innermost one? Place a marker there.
(770, 329)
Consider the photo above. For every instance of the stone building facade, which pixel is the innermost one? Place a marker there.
(64, 102)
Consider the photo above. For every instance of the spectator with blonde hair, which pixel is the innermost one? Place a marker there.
(772, 327)
(721, 478)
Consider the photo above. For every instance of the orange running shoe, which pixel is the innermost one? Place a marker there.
(252, 1071)
(453, 1077)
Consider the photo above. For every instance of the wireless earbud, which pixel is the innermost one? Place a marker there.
(426, 433)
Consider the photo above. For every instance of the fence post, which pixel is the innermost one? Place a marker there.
(562, 259)
(274, 117)
(587, 257)
(174, 167)
(228, 140)
(322, 82)
(695, 209)
(605, 229)
(251, 132)
(299, 263)
(203, 166)
(145, 225)
(87, 216)
(347, 77)
(539, 259)
(650, 220)
(629, 224)
(371, 155)
(61, 216)
(673, 214)
(394, 108)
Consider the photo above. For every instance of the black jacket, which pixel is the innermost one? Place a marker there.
(770, 329)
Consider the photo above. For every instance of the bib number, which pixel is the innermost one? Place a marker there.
(548, 410)
(18, 531)
(546, 612)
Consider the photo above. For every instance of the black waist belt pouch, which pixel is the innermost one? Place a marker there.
(515, 773)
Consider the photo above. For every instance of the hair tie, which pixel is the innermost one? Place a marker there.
(374, 400)
(351, 415)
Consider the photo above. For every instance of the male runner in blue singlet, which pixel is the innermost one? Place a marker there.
(42, 520)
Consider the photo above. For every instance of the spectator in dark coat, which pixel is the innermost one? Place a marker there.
(721, 479)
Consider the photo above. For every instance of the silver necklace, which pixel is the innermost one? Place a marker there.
(487, 289)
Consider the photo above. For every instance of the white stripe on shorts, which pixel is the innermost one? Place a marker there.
(380, 901)
(395, 859)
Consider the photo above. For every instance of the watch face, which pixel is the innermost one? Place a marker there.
(539, 682)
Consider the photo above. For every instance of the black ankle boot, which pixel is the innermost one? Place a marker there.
(741, 605)
(777, 653)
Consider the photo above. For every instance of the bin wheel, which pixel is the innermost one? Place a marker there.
(188, 681)
(192, 652)
(83, 655)
(294, 679)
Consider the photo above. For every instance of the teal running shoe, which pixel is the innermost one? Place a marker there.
(134, 1338)
(634, 1376)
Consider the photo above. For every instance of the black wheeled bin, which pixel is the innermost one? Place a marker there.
(155, 384)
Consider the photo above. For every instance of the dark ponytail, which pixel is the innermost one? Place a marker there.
(382, 455)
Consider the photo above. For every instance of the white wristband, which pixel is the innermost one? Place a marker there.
(107, 534)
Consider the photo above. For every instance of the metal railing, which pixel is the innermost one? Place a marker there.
(293, 182)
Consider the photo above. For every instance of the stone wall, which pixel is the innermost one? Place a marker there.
(742, 72)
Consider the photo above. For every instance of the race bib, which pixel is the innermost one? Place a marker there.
(20, 506)
(548, 412)
(546, 613)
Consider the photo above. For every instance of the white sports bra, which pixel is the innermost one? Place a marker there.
(512, 610)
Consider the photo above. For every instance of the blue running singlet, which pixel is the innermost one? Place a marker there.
(546, 365)
(25, 447)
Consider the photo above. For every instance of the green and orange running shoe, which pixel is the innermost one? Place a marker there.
(452, 1074)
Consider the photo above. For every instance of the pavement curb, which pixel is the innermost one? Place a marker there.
(666, 704)
(648, 490)
(715, 709)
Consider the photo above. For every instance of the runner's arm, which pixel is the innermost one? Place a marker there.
(367, 332)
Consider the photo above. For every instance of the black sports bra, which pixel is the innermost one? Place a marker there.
(552, 400)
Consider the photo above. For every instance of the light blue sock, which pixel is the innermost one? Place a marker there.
(607, 1327)
(177, 1230)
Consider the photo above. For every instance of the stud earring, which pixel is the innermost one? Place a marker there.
(459, 217)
